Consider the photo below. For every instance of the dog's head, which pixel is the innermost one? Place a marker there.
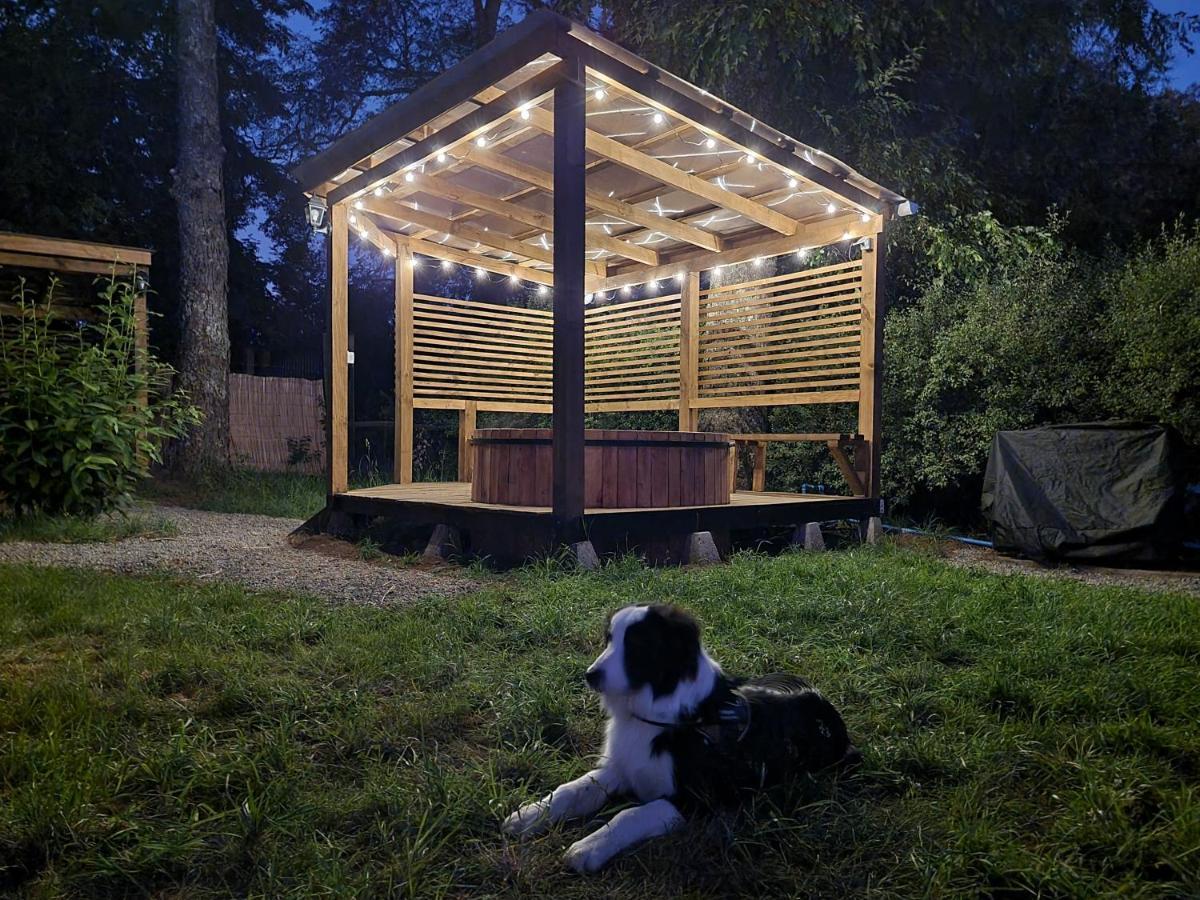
(657, 646)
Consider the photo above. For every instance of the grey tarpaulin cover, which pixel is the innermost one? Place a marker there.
(1103, 490)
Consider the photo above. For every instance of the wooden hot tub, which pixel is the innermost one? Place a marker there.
(622, 469)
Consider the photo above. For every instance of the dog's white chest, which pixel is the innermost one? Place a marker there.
(627, 751)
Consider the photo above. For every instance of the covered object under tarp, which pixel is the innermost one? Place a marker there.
(1096, 491)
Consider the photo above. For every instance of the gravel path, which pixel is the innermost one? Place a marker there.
(251, 550)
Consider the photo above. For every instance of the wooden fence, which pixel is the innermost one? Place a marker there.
(276, 424)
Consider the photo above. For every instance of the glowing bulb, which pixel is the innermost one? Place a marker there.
(625, 291)
(513, 279)
(717, 270)
(802, 253)
(792, 182)
(710, 143)
(409, 176)
(831, 208)
(599, 94)
(866, 217)
(353, 219)
(750, 158)
(387, 251)
(758, 260)
(542, 290)
(479, 273)
(362, 233)
(441, 157)
(446, 265)
(679, 278)
(379, 191)
(525, 113)
(845, 235)
(416, 263)
(481, 141)
(587, 298)
(358, 204)
(659, 118)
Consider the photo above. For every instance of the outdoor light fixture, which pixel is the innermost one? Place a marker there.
(318, 215)
(658, 118)
(710, 143)
(481, 141)
(441, 157)
(379, 191)
(479, 273)
(792, 182)
(542, 290)
(831, 208)
(599, 94)
(866, 217)
(445, 265)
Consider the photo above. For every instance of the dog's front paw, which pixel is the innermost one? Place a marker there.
(587, 855)
(529, 819)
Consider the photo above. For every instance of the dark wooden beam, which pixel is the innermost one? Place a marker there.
(570, 242)
(510, 51)
(448, 137)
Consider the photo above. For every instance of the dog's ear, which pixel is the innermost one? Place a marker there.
(662, 649)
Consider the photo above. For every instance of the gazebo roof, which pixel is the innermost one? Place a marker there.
(462, 169)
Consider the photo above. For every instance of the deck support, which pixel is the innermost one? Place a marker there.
(702, 549)
(338, 345)
(444, 543)
(809, 536)
(569, 246)
(403, 455)
(584, 556)
(467, 417)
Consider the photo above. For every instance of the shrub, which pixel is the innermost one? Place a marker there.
(1006, 331)
(1154, 332)
(79, 423)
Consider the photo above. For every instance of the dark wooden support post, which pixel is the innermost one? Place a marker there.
(336, 418)
(467, 417)
(870, 401)
(569, 246)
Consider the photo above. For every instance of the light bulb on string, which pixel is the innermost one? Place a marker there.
(710, 143)
(479, 273)
(409, 177)
(599, 94)
(542, 290)
(379, 191)
(441, 157)
(358, 204)
(658, 118)
(831, 208)
(446, 264)
(866, 217)
(792, 183)
(481, 141)
(625, 291)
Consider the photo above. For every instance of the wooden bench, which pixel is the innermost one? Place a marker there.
(838, 445)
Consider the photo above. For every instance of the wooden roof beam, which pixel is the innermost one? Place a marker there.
(457, 132)
(516, 214)
(645, 164)
(632, 214)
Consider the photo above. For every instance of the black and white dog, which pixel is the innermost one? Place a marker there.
(682, 735)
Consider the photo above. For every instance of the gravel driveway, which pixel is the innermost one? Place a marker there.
(251, 550)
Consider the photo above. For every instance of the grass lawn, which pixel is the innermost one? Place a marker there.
(84, 529)
(287, 494)
(1022, 736)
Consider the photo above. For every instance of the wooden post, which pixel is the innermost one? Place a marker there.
(689, 347)
(339, 346)
(759, 482)
(870, 392)
(466, 430)
(569, 246)
(403, 437)
(141, 337)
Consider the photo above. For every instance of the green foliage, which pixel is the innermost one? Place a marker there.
(1154, 333)
(1022, 736)
(1006, 332)
(68, 529)
(291, 495)
(74, 434)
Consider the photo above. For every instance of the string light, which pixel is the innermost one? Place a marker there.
(379, 191)
(625, 291)
(710, 143)
(479, 273)
(792, 183)
(599, 94)
(802, 253)
(513, 279)
(717, 270)
(387, 251)
(845, 235)
(525, 113)
(353, 219)
(831, 208)
(481, 141)
(358, 204)
(362, 233)
(758, 260)
(866, 217)
(446, 265)
(441, 157)
(750, 159)
(542, 290)
(587, 298)
(409, 177)
(658, 118)
(679, 278)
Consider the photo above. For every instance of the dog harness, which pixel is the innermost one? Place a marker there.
(731, 718)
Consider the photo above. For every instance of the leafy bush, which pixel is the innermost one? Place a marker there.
(1154, 333)
(79, 423)
(1005, 331)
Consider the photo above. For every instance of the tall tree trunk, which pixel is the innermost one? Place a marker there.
(203, 244)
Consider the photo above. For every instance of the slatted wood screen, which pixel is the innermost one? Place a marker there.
(481, 351)
(632, 355)
(781, 340)
(785, 339)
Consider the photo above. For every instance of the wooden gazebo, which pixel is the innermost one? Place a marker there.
(552, 156)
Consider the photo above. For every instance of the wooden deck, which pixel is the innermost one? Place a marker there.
(516, 532)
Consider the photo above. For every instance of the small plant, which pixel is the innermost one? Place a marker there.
(369, 548)
(301, 452)
(83, 410)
